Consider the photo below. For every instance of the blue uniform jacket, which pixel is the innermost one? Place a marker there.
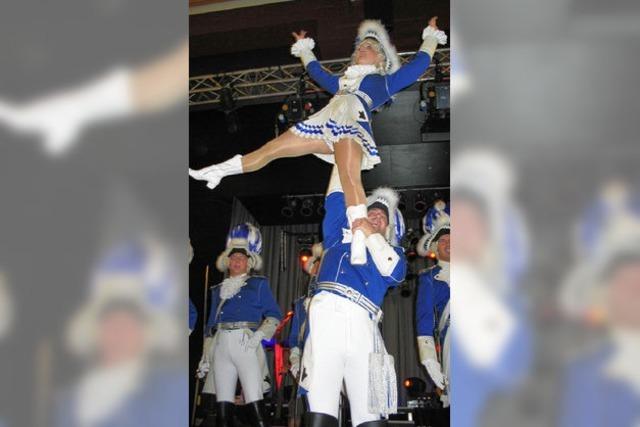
(380, 88)
(161, 401)
(433, 296)
(593, 399)
(298, 320)
(336, 266)
(252, 303)
(193, 315)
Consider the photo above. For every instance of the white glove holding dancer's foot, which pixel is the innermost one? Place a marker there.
(60, 118)
(429, 358)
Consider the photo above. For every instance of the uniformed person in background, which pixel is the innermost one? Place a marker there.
(243, 313)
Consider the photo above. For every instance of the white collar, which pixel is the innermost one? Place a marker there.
(104, 390)
(231, 286)
(444, 272)
(356, 70)
(623, 363)
(354, 75)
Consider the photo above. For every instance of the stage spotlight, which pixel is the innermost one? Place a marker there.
(419, 204)
(402, 204)
(307, 208)
(288, 209)
(304, 255)
(294, 110)
(414, 386)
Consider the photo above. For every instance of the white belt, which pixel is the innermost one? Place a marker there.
(353, 296)
(230, 326)
(366, 98)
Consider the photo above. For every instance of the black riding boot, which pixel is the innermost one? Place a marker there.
(225, 415)
(258, 414)
(317, 419)
(377, 423)
(207, 410)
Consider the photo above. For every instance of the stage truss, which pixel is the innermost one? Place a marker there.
(262, 85)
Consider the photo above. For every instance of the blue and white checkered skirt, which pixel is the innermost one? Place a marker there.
(344, 117)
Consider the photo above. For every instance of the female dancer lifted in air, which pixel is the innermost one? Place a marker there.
(341, 133)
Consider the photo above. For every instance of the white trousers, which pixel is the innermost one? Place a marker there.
(338, 347)
(232, 359)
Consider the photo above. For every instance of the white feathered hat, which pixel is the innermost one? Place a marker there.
(436, 222)
(387, 198)
(373, 29)
(138, 275)
(607, 235)
(247, 238)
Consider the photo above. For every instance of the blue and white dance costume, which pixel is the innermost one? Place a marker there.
(432, 315)
(343, 323)
(243, 313)
(361, 90)
(596, 398)
(432, 303)
(602, 387)
(193, 316)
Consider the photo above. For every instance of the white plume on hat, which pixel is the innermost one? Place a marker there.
(244, 236)
(435, 220)
(374, 29)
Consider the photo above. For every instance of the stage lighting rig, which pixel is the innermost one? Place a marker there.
(306, 209)
(288, 210)
(435, 103)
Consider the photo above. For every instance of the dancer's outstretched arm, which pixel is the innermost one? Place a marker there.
(411, 72)
(302, 49)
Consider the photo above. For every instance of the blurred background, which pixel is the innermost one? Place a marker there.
(549, 88)
(93, 195)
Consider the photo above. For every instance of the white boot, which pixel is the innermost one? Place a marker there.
(214, 173)
(358, 241)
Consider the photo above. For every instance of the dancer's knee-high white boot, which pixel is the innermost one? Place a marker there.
(214, 173)
(358, 241)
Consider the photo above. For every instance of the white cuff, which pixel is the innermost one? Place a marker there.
(294, 356)
(432, 38)
(356, 212)
(303, 49)
(427, 348)
(432, 32)
(268, 327)
(384, 256)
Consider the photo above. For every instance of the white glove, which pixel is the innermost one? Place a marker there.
(432, 32)
(435, 372)
(255, 340)
(59, 118)
(444, 398)
(303, 49)
(203, 368)
(294, 362)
